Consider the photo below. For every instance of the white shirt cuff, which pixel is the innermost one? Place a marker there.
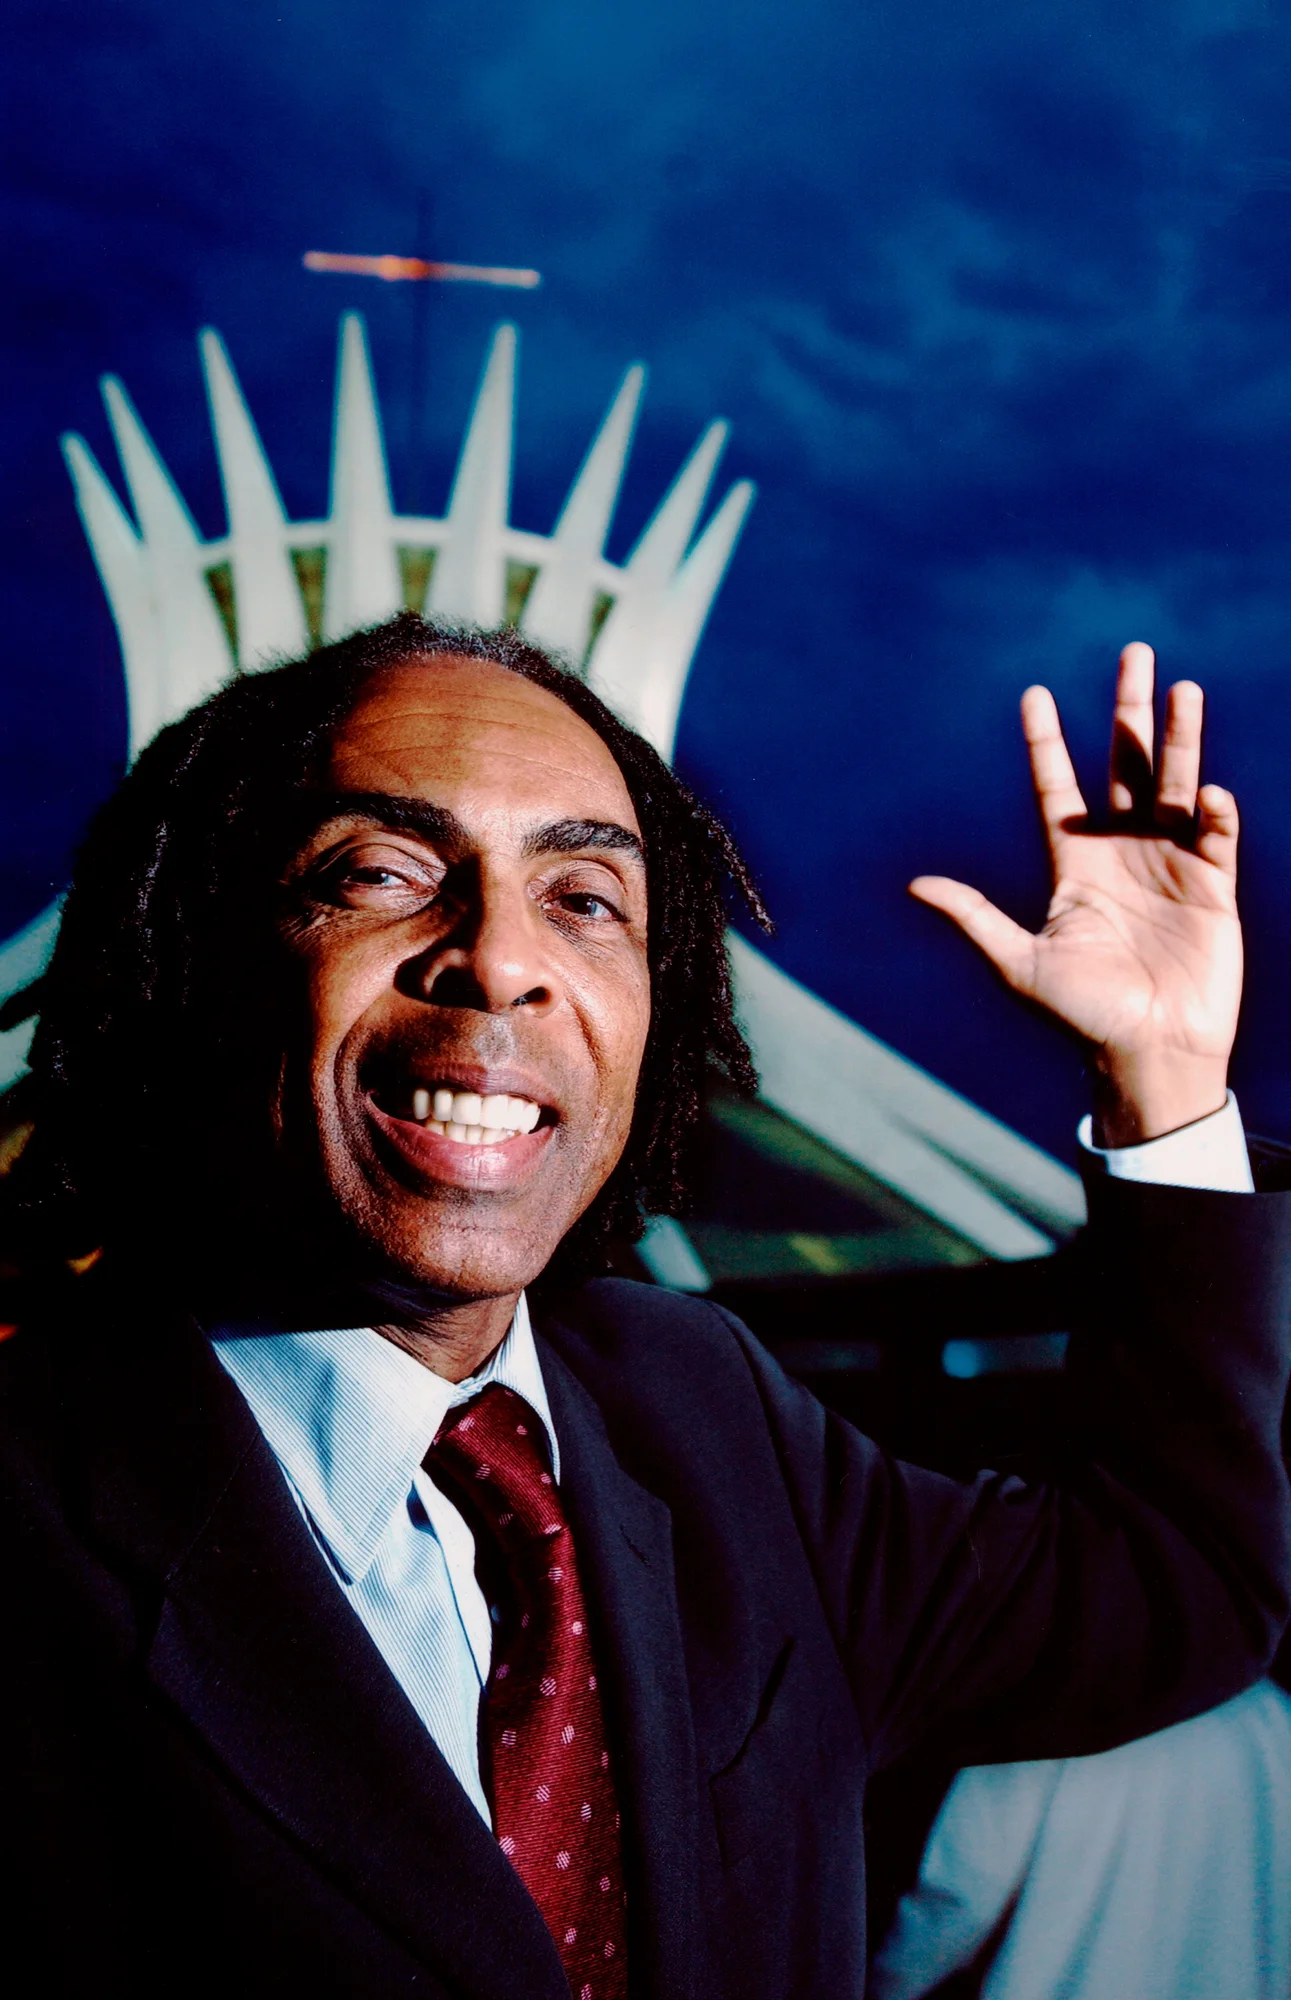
(1209, 1153)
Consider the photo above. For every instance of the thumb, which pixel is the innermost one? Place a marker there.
(1217, 828)
(1009, 947)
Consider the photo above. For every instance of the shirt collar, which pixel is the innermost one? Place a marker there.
(350, 1416)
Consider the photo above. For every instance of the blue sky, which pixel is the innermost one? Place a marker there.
(996, 300)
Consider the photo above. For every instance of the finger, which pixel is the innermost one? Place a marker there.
(1057, 793)
(1129, 782)
(1010, 949)
(1217, 828)
(1179, 765)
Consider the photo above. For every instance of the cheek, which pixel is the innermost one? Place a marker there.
(342, 979)
(620, 1026)
(332, 981)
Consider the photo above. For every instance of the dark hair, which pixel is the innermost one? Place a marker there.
(151, 911)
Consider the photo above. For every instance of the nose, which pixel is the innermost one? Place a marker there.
(492, 960)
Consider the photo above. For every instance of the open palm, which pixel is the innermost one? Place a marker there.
(1141, 952)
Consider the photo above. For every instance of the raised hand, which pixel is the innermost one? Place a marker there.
(1141, 953)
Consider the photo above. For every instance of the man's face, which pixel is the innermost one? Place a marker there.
(469, 916)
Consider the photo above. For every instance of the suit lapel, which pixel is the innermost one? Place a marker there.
(623, 1535)
(256, 1646)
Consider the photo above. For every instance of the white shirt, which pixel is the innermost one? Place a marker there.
(349, 1417)
(1159, 1871)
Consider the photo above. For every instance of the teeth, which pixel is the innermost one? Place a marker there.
(471, 1120)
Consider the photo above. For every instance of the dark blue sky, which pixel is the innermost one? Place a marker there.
(996, 300)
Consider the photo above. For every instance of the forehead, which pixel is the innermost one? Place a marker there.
(475, 737)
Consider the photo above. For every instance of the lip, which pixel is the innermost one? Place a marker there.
(485, 1082)
(444, 1160)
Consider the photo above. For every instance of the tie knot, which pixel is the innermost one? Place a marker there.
(494, 1449)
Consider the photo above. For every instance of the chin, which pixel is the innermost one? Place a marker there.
(454, 1258)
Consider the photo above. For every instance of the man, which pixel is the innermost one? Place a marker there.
(369, 1636)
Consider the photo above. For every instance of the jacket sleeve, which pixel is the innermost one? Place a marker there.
(1007, 1620)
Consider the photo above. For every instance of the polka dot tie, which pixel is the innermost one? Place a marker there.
(547, 1768)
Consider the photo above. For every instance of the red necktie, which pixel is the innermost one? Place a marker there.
(555, 1812)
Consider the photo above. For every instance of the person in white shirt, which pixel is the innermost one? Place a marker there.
(1157, 1871)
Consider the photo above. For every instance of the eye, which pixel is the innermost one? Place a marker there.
(584, 896)
(379, 878)
(583, 903)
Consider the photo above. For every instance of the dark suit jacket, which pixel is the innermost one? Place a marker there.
(212, 1784)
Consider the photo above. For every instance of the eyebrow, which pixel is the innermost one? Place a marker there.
(573, 836)
(396, 810)
(405, 814)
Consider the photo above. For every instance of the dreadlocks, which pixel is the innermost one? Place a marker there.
(174, 885)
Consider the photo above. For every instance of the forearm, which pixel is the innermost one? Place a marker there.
(1148, 1583)
(1140, 1095)
(1180, 1368)
(1208, 1153)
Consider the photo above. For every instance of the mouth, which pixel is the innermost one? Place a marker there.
(463, 1117)
(464, 1128)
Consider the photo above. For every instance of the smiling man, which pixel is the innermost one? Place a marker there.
(370, 1637)
(478, 820)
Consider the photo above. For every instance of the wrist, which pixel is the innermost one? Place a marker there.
(1142, 1097)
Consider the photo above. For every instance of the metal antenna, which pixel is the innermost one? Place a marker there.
(419, 374)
